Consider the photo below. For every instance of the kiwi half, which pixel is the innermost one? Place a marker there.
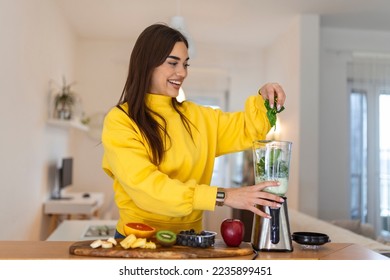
(166, 238)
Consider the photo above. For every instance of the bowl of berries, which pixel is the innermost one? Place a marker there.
(191, 238)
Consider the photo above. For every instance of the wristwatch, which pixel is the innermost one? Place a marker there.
(220, 199)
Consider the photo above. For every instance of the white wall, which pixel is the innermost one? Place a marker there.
(293, 62)
(101, 69)
(36, 46)
(309, 115)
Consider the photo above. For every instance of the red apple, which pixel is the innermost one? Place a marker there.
(232, 231)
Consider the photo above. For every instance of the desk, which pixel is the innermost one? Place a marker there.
(75, 204)
(46, 250)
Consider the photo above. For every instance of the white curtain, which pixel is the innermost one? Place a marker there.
(372, 70)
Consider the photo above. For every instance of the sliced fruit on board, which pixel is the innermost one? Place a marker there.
(166, 238)
(139, 230)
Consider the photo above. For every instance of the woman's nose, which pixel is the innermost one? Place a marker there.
(182, 72)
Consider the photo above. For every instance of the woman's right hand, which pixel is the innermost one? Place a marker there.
(248, 197)
(270, 91)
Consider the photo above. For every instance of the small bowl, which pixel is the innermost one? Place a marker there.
(203, 239)
(310, 238)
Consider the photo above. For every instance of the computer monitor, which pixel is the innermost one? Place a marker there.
(66, 173)
(65, 176)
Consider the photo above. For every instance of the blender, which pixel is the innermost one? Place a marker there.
(271, 160)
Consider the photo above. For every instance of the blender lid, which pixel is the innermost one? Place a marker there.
(310, 238)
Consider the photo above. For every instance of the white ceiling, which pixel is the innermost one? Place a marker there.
(234, 22)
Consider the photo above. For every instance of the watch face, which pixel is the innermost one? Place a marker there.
(220, 195)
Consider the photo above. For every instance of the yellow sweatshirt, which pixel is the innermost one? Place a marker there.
(174, 194)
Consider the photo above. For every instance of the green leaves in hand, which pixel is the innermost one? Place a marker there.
(271, 112)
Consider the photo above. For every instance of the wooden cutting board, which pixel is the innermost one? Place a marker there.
(219, 250)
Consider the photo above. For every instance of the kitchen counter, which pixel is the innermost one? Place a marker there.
(46, 250)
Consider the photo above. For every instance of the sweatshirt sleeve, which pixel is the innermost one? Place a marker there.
(238, 130)
(126, 160)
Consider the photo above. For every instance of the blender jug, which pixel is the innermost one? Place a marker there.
(271, 161)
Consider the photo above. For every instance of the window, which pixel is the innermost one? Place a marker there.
(358, 152)
(216, 100)
(384, 158)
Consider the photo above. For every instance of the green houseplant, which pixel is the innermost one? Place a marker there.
(64, 101)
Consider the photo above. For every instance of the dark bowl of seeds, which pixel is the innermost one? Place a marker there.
(191, 238)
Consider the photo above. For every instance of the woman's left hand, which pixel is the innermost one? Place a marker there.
(248, 197)
(270, 91)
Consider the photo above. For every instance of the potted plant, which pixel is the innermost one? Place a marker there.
(64, 101)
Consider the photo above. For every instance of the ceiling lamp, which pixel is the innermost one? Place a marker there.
(178, 23)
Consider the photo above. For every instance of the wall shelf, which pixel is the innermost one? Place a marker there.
(68, 124)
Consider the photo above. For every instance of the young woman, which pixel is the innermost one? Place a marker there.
(160, 153)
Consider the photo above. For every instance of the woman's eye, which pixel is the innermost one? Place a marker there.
(174, 64)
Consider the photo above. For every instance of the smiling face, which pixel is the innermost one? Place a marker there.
(169, 76)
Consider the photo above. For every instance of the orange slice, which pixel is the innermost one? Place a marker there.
(140, 230)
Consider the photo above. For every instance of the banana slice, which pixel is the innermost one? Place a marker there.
(106, 244)
(96, 243)
(112, 240)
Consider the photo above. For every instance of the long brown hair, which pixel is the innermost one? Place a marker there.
(151, 49)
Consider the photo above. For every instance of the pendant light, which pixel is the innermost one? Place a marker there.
(178, 23)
